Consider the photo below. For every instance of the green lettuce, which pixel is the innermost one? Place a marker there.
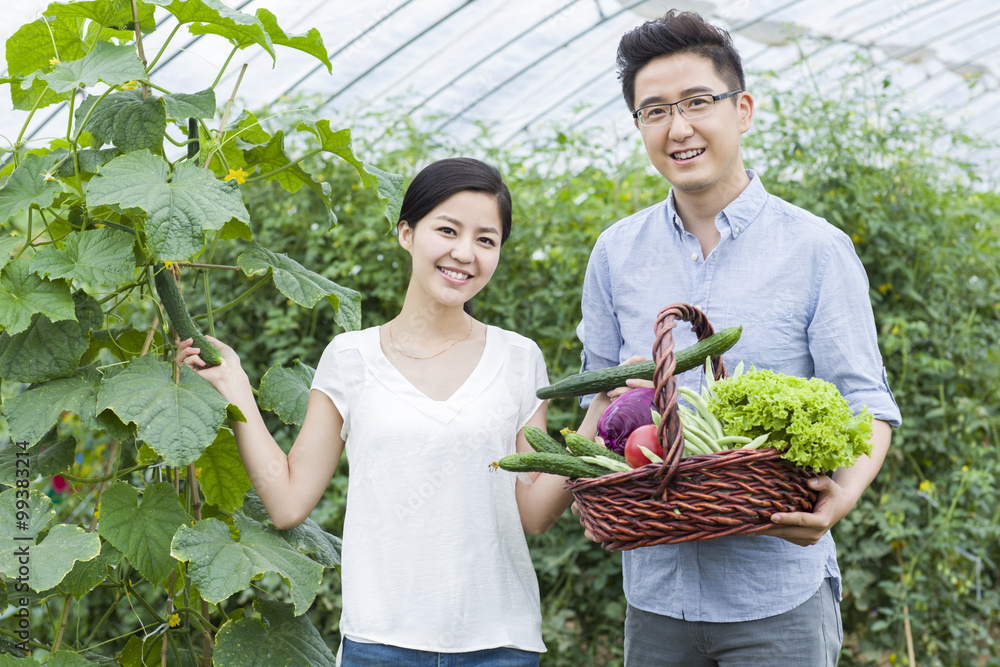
(809, 421)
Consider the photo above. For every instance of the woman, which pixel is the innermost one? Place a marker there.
(435, 563)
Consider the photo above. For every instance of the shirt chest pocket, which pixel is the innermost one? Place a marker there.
(769, 338)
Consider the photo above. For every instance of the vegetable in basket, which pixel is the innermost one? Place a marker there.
(625, 414)
(808, 420)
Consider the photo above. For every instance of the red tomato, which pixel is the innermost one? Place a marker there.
(644, 436)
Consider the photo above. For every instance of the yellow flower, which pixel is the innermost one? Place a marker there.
(167, 263)
(895, 330)
(927, 486)
(175, 620)
(131, 85)
(885, 287)
(238, 174)
(97, 512)
(53, 61)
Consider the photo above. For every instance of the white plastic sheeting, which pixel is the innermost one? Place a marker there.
(516, 64)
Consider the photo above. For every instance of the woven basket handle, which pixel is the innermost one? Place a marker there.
(669, 432)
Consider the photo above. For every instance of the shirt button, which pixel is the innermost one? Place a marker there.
(694, 256)
(736, 231)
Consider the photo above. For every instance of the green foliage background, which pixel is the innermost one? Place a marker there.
(921, 548)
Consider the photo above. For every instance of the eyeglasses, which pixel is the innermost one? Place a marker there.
(690, 107)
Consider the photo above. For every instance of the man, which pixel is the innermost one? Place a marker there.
(794, 282)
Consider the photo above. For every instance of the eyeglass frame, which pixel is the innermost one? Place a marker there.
(715, 98)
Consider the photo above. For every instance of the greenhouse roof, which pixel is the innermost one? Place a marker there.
(517, 65)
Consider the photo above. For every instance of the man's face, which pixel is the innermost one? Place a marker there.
(699, 155)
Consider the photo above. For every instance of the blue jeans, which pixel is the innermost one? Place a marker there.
(356, 654)
(809, 635)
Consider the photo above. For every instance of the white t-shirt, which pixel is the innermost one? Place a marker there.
(434, 555)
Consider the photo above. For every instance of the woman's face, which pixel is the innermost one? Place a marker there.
(455, 248)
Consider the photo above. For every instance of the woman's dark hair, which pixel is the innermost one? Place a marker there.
(442, 179)
(673, 33)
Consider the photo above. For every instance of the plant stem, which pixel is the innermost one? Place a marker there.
(137, 31)
(164, 47)
(224, 66)
(206, 635)
(284, 167)
(225, 116)
(62, 623)
(83, 124)
(195, 265)
(105, 478)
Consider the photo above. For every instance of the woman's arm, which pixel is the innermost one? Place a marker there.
(289, 485)
(543, 501)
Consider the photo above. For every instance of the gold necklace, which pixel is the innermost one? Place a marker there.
(453, 344)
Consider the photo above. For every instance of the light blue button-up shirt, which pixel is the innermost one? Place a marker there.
(796, 286)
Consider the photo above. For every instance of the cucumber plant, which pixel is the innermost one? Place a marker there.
(157, 549)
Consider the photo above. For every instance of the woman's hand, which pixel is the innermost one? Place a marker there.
(228, 377)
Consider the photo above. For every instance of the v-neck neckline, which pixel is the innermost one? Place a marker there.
(445, 409)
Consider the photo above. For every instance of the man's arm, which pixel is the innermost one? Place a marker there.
(838, 494)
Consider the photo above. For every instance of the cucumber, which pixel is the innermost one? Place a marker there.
(554, 464)
(605, 379)
(542, 441)
(581, 446)
(180, 318)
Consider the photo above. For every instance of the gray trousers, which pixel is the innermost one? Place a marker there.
(808, 636)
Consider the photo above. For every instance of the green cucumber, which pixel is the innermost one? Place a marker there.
(581, 446)
(554, 464)
(605, 379)
(542, 441)
(180, 318)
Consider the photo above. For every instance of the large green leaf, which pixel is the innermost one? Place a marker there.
(52, 557)
(179, 421)
(310, 42)
(301, 285)
(125, 120)
(47, 350)
(143, 531)
(86, 575)
(181, 106)
(390, 193)
(179, 207)
(114, 65)
(96, 256)
(213, 17)
(221, 473)
(222, 566)
(308, 537)
(31, 414)
(47, 457)
(31, 184)
(279, 638)
(285, 391)
(22, 294)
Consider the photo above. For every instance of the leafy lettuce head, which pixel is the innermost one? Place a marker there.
(809, 421)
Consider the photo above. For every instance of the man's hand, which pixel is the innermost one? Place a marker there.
(806, 528)
(631, 383)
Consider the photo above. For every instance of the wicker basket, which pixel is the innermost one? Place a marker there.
(702, 497)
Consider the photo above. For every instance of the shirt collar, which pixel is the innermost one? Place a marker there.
(736, 217)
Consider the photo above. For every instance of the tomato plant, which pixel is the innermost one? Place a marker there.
(158, 539)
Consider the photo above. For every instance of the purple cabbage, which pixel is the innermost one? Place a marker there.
(626, 413)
